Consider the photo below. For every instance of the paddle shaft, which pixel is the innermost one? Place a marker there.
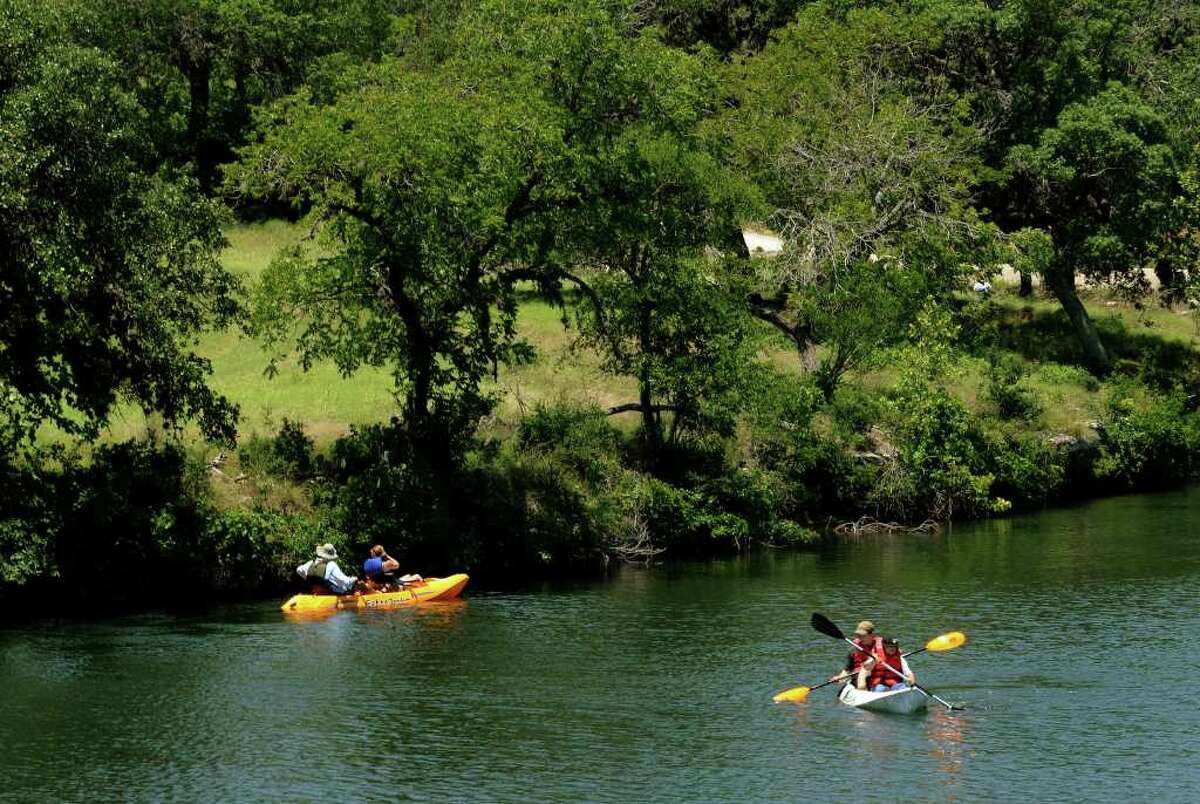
(822, 684)
(917, 687)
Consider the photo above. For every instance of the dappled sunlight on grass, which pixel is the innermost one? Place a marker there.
(327, 403)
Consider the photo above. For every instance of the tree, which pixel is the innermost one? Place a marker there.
(422, 185)
(208, 62)
(654, 202)
(871, 187)
(441, 188)
(1101, 184)
(727, 25)
(107, 272)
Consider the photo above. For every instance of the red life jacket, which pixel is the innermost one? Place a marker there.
(859, 656)
(880, 674)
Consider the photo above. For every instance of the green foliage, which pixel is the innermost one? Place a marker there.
(439, 189)
(1146, 439)
(871, 183)
(1005, 389)
(810, 473)
(854, 410)
(245, 551)
(869, 307)
(29, 521)
(135, 524)
(198, 67)
(727, 25)
(536, 512)
(680, 520)
(288, 455)
(1028, 471)
(108, 270)
(942, 470)
(1101, 184)
(1102, 180)
(580, 436)
(689, 345)
(1059, 374)
(378, 487)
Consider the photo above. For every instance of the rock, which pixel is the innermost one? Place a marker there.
(882, 444)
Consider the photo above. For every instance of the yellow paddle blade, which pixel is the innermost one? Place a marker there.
(794, 695)
(950, 641)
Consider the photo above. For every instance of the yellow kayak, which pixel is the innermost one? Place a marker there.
(429, 589)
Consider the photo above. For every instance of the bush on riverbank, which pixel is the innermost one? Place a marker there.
(138, 520)
(135, 522)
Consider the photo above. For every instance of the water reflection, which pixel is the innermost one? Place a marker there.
(947, 733)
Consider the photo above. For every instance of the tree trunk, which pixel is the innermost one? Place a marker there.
(199, 74)
(1062, 283)
(1026, 284)
(829, 373)
(651, 422)
(1170, 290)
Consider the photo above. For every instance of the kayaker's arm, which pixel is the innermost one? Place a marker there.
(909, 675)
(846, 671)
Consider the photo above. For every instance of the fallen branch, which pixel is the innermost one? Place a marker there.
(632, 406)
(868, 524)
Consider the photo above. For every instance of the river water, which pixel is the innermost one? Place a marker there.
(654, 685)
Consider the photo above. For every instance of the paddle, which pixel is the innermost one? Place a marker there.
(826, 627)
(798, 694)
(948, 641)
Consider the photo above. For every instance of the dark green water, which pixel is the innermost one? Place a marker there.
(1080, 676)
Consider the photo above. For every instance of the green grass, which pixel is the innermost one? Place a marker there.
(327, 403)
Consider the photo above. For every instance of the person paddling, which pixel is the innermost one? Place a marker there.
(882, 679)
(860, 662)
(324, 572)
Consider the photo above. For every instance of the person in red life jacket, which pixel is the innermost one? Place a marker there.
(882, 679)
(861, 662)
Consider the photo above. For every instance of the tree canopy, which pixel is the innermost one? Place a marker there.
(108, 270)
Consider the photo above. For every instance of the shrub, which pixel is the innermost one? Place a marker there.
(668, 517)
(580, 436)
(792, 534)
(942, 470)
(378, 487)
(812, 473)
(536, 511)
(289, 454)
(249, 551)
(1004, 387)
(1146, 438)
(1028, 471)
(854, 410)
(293, 451)
(1067, 374)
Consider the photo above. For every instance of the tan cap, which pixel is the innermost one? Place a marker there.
(865, 627)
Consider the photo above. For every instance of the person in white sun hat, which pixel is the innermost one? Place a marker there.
(323, 570)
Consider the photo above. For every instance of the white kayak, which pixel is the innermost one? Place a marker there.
(901, 702)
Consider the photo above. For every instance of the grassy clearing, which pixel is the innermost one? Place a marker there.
(328, 404)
